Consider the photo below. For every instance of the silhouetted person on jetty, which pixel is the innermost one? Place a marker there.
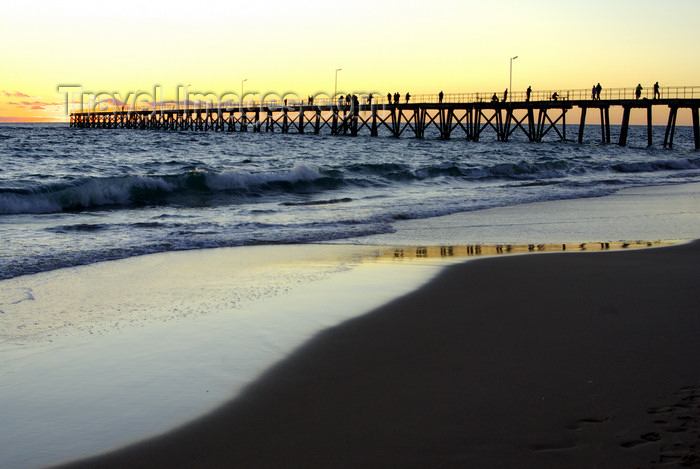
(505, 95)
(598, 89)
(657, 93)
(638, 91)
(494, 98)
(528, 93)
(408, 96)
(440, 96)
(397, 96)
(388, 98)
(555, 96)
(369, 99)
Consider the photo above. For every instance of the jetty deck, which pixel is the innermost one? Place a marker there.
(468, 116)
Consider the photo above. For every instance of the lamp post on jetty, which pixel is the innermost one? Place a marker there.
(335, 89)
(510, 83)
(242, 81)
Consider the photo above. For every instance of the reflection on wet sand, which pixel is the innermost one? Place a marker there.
(472, 250)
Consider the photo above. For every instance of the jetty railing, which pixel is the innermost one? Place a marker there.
(607, 94)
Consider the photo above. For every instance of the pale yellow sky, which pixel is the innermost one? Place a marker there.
(382, 46)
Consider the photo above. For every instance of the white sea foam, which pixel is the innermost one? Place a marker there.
(90, 193)
(237, 180)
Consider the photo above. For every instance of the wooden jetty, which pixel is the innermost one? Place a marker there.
(535, 115)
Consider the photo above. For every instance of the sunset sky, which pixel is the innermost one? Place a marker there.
(296, 46)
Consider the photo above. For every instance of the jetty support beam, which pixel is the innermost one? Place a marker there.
(374, 131)
(582, 124)
(696, 127)
(625, 126)
(670, 127)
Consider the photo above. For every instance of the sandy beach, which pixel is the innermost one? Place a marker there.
(553, 360)
(392, 354)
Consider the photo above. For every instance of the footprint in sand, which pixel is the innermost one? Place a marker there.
(645, 438)
(679, 426)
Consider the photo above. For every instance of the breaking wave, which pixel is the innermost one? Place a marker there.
(203, 187)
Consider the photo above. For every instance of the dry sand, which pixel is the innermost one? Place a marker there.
(547, 360)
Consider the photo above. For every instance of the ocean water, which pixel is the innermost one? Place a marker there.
(73, 196)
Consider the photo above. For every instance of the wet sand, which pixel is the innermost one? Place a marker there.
(546, 360)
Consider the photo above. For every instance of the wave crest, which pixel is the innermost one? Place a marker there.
(145, 190)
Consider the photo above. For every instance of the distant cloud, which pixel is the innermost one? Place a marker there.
(18, 94)
(36, 104)
(112, 101)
